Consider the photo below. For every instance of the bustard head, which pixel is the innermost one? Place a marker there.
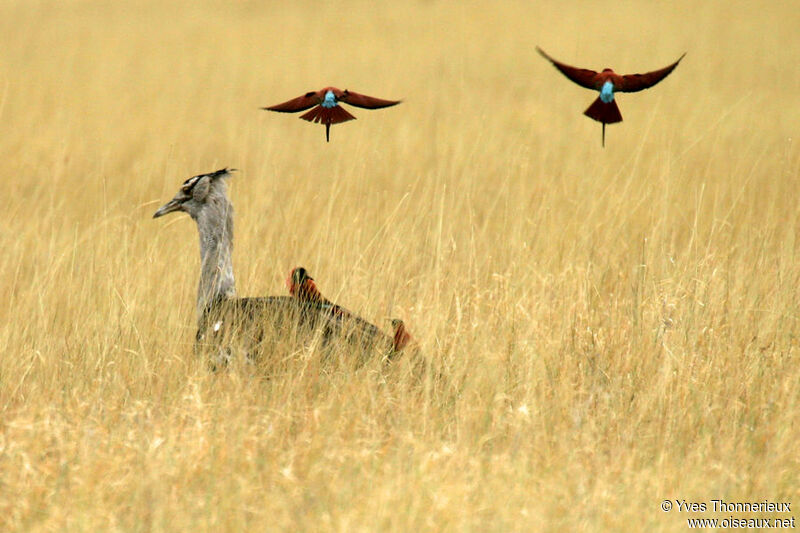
(196, 193)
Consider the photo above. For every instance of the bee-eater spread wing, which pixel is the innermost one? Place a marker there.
(582, 76)
(325, 106)
(367, 102)
(301, 103)
(632, 83)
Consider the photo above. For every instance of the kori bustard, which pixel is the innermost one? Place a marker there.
(221, 315)
(220, 312)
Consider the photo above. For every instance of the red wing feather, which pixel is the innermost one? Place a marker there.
(582, 76)
(401, 337)
(311, 116)
(339, 114)
(632, 83)
(367, 102)
(301, 103)
(328, 115)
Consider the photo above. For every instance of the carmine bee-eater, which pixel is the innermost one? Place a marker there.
(338, 320)
(326, 104)
(301, 285)
(604, 109)
(402, 337)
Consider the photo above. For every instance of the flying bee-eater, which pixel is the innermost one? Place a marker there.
(326, 104)
(604, 109)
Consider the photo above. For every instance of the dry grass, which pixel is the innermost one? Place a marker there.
(612, 326)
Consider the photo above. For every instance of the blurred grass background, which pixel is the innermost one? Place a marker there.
(613, 327)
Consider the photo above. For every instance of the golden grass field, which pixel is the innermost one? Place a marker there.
(603, 328)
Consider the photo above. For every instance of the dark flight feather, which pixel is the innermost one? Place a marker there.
(632, 83)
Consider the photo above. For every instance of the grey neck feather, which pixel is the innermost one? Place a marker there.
(215, 224)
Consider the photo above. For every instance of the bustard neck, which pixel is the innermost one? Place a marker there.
(215, 224)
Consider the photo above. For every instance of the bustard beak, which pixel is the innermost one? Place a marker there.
(169, 207)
